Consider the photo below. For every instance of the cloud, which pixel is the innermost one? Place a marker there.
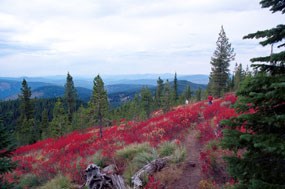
(124, 36)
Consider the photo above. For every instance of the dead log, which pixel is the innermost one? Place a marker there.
(150, 168)
(118, 182)
(107, 179)
(95, 179)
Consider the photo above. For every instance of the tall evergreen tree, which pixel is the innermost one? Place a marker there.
(59, 124)
(220, 62)
(187, 93)
(70, 97)
(175, 88)
(26, 105)
(99, 102)
(134, 110)
(81, 118)
(198, 94)
(158, 92)
(167, 98)
(261, 104)
(6, 148)
(146, 101)
(44, 123)
(25, 130)
(239, 75)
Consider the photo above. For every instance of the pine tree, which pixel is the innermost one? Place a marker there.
(146, 101)
(99, 102)
(26, 127)
(167, 98)
(70, 97)
(220, 62)
(239, 76)
(80, 120)
(59, 124)
(187, 93)
(6, 148)
(26, 106)
(44, 123)
(175, 88)
(134, 110)
(158, 93)
(198, 94)
(261, 104)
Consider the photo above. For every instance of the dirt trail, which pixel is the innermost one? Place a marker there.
(191, 167)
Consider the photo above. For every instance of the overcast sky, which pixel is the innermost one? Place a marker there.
(87, 37)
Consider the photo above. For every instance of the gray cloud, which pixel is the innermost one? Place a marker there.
(124, 36)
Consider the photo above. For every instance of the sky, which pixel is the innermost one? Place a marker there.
(111, 37)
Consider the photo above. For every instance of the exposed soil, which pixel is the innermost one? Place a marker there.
(191, 174)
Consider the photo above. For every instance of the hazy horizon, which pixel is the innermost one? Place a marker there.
(108, 76)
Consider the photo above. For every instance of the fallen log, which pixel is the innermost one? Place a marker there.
(150, 168)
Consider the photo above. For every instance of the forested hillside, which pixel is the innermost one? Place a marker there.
(44, 98)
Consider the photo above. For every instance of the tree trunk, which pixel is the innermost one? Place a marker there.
(148, 169)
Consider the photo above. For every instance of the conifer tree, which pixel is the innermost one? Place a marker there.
(134, 110)
(187, 93)
(26, 106)
(261, 104)
(44, 123)
(6, 148)
(59, 124)
(146, 101)
(26, 127)
(167, 98)
(220, 62)
(198, 94)
(158, 93)
(70, 97)
(81, 118)
(99, 102)
(239, 75)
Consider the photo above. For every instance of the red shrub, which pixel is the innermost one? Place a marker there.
(73, 152)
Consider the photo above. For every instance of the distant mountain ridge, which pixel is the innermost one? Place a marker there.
(87, 82)
(10, 88)
(119, 90)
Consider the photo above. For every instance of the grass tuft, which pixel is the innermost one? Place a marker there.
(59, 182)
(130, 151)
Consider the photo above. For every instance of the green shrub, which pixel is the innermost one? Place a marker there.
(179, 155)
(99, 159)
(144, 158)
(59, 182)
(167, 148)
(129, 172)
(130, 151)
(29, 181)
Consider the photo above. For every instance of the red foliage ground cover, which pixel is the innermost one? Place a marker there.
(70, 154)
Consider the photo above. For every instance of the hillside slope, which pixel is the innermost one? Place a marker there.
(70, 154)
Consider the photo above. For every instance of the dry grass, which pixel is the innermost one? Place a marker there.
(169, 174)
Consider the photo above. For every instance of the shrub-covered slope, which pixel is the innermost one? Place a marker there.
(70, 154)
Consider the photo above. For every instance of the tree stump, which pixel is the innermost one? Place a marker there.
(95, 179)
